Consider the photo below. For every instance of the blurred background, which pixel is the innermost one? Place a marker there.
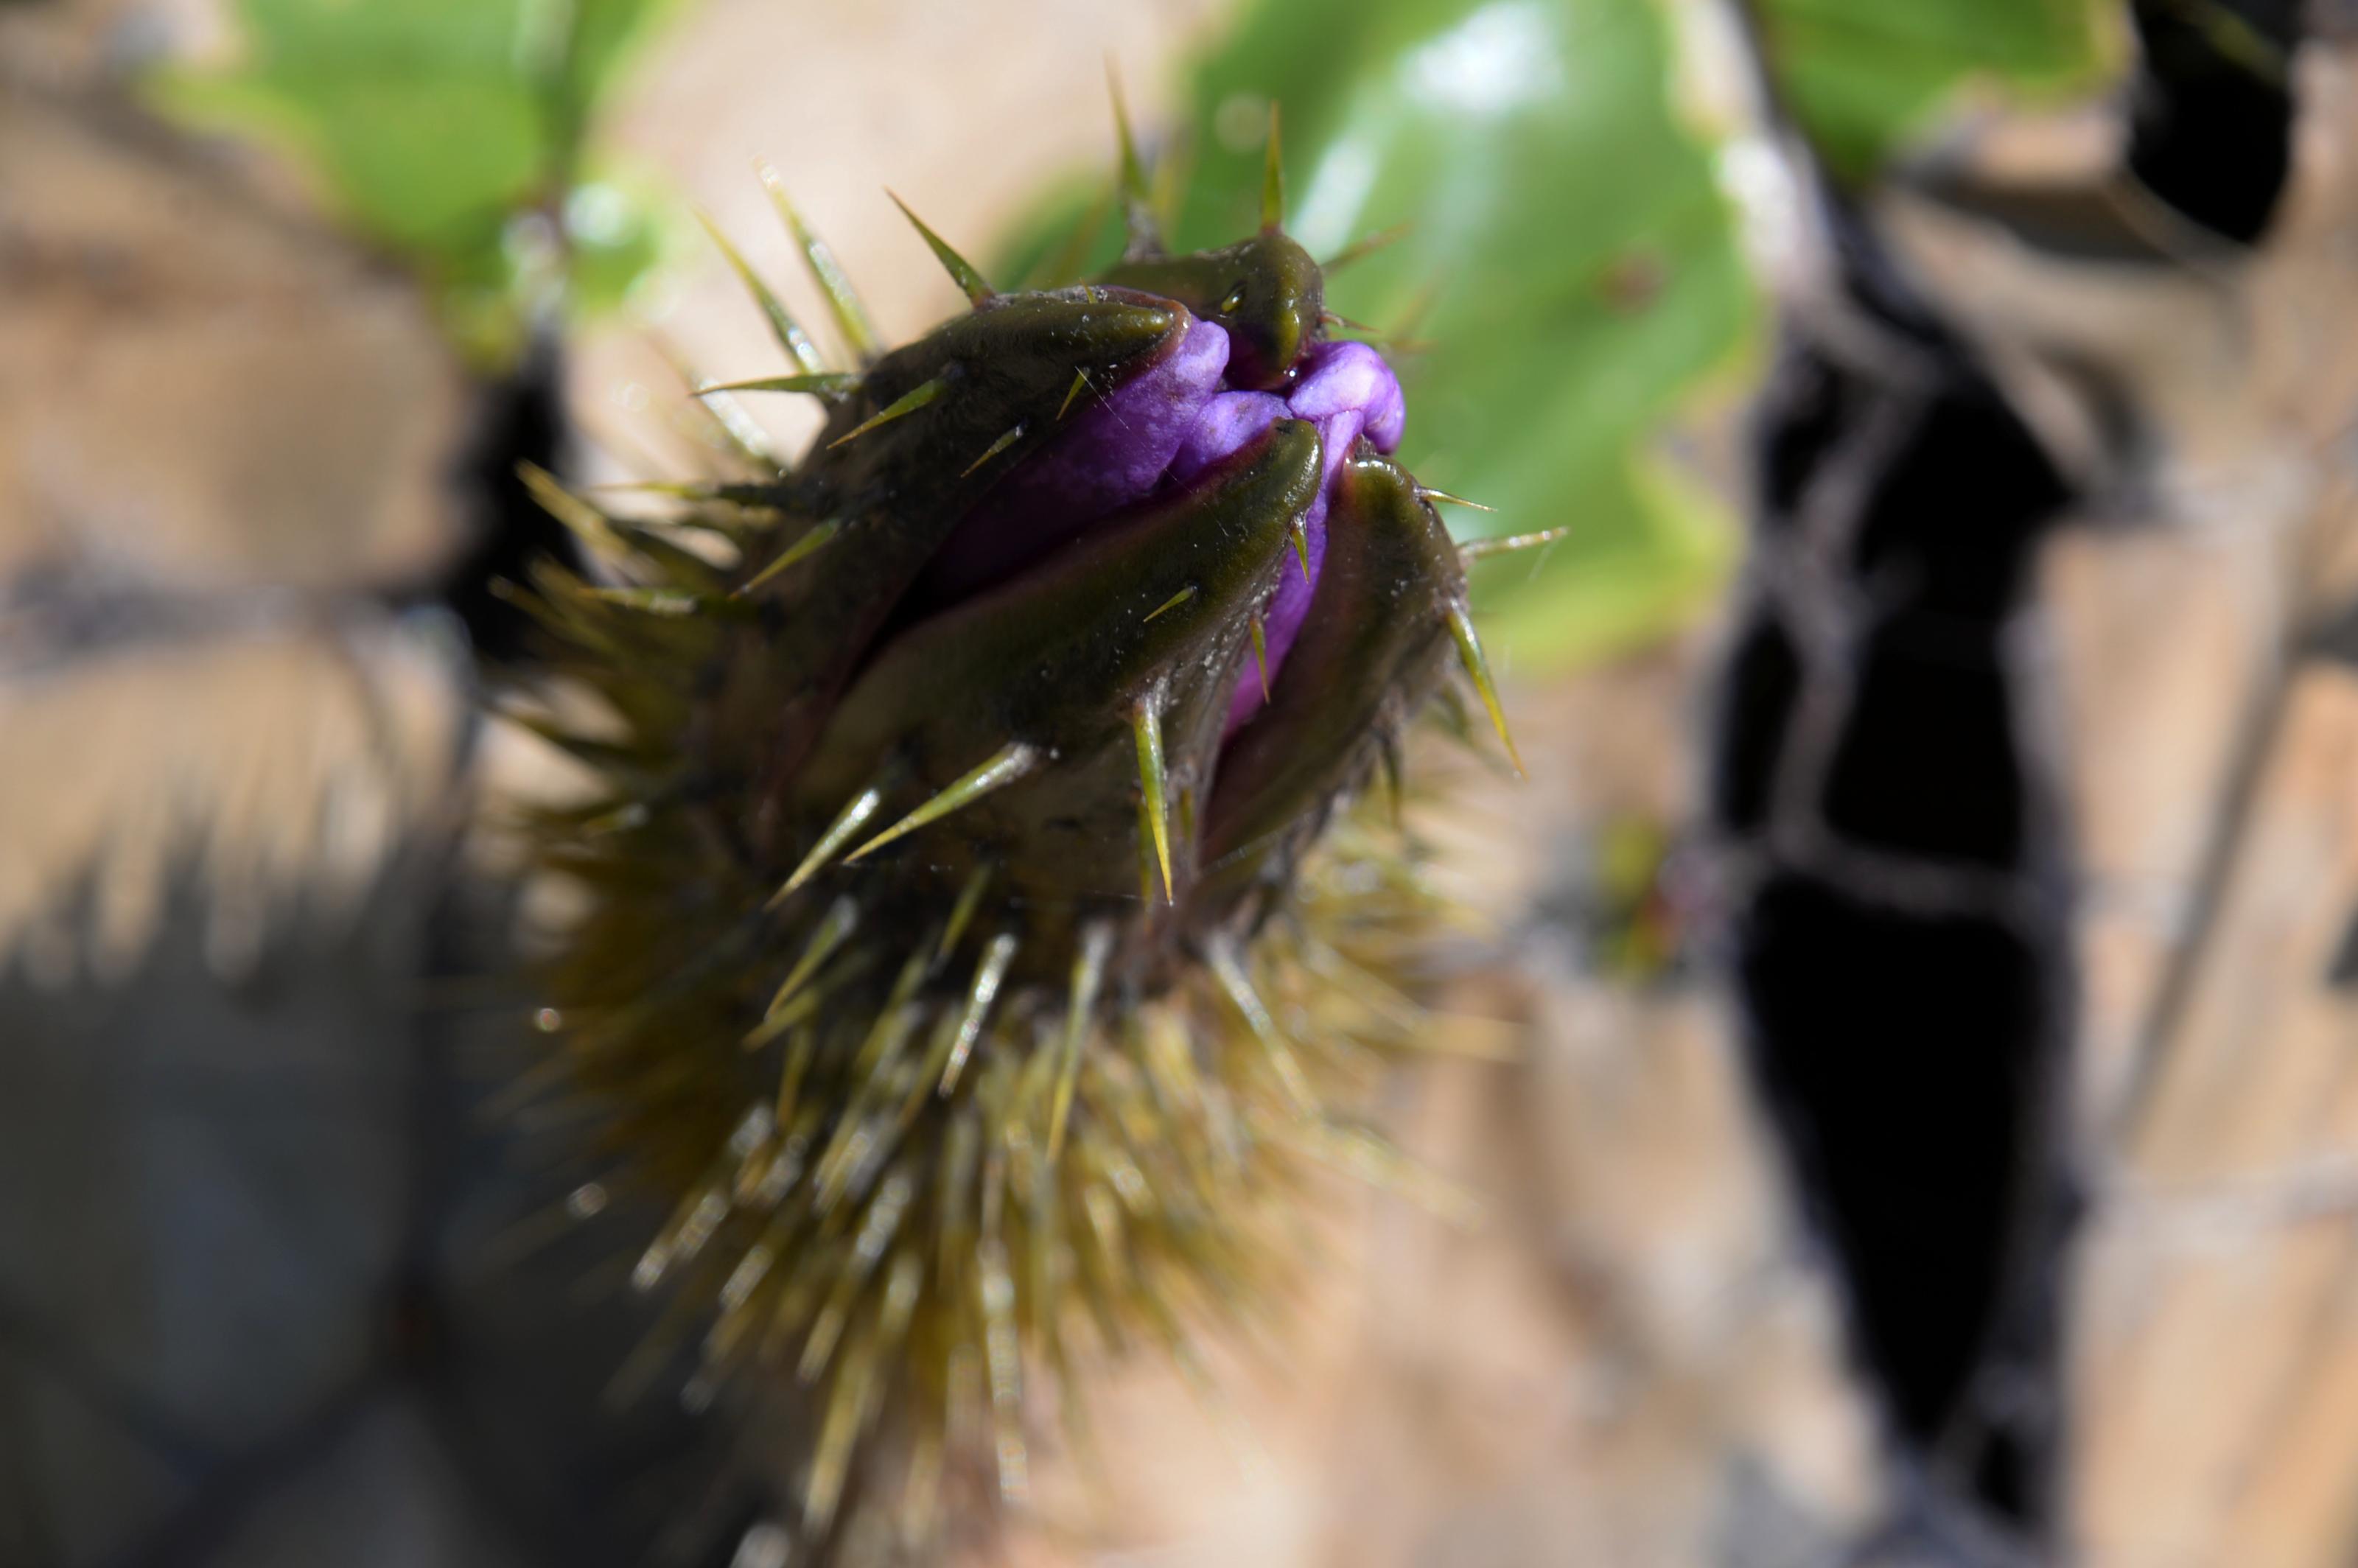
(289, 288)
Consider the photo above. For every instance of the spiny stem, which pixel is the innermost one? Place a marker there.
(1240, 988)
(962, 912)
(1174, 602)
(1001, 445)
(821, 383)
(586, 523)
(671, 603)
(848, 822)
(851, 315)
(809, 545)
(1483, 549)
(1010, 764)
(782, 326)
(1146, 726)
(964, 272)
(1088, 974)
(900, 408)
(1428, 494)
(987, 977)
(1080, 380)
(841, 916)
(1477, 670)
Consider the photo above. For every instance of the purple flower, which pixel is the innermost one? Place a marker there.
(1113, 451)
(1348, 390)
(1164, 427)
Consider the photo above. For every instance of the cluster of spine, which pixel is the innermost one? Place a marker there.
(975, 990)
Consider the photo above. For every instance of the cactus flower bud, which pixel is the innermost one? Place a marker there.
(925, 960)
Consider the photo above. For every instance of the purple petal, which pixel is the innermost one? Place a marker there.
(1282, 622)
(1226, 423)
(1348, 390)
(1113, 451)
(1342, 376)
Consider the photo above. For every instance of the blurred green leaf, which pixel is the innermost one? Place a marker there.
(1571, 264)
(438, 127)
(1862, 76)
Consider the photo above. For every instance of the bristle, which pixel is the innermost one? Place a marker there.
(1388, 762)
(902, 1288)
(1146, 728)
(1145, 235)
(806, 1003)
(782, 326)
(877, 1227)
(1407, 1021)
(848, 822)
(963, 272)
(586, 523)
(668, 602)
(809, 545)
(1080, 1008)
(1301, 532)
(1003, 1358)
(1333, 319)
(1145, 852)
(1080, 380)
(723, 425)
(988, 975)
(1426, 492)
(1273, 180)
(851, 315)
(1477, 671)
(954, 1191)
(692, 1225)
(928, 1076)
(755, 496)
(962, 912)
(1261, 656)
(1359, 250)
(820, 383)
(908, 402)
(1230, 972)
(890, 1021)
(1174, 602)
(842, 915)
(791, 1076)
(1482, 549)
(838, 1431)
(1001, 445)
(1010, 765)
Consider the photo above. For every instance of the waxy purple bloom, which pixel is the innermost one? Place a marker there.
(1114, 451)
(1163, 429)
(1348, 390)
